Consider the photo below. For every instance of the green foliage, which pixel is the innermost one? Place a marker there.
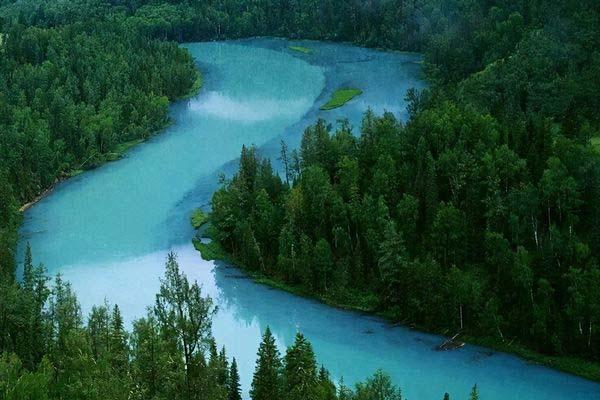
(378, 387)
(181, 311)
(474, 393)
(267, 379)
(169, 354)
(234, 391)
(211, 250)
(428, 217)
(58, 357)
(301, 49)
(595, 143)
(300, 371)
(340, 97)
(198, 218)
(491, 188)
(477, 215)
(79, 85)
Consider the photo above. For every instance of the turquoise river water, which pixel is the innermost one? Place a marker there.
(108, 230)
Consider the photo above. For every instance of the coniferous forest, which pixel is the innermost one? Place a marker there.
(480, 214)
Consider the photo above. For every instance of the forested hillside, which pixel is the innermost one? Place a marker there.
(480, 215)
(72, 97)
(80, 77)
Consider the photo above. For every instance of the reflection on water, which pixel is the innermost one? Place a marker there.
(108, 231)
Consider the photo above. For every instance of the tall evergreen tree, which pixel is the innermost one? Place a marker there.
(234, 390)
(118, 342)
(474, 393)
(266, 382)
(300, 371)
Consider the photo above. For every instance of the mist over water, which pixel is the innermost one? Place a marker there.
(218, 105)
(108, 230)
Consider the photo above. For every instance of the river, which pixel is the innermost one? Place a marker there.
(107, 231)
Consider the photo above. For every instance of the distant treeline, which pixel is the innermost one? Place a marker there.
(480, 215)
(398, 24)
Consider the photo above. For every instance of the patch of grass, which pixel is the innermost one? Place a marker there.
(121, 149)
(596, 143)
(195, 86)
(301, 49)
(74, 172)
(211, 251)
(341, 97)
(198, 218)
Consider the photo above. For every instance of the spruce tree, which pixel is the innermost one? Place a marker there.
(300, 371)
(474, 393)
(327, 390)
(119, 348)
(223, 370)
(234, 391)
(266, 382)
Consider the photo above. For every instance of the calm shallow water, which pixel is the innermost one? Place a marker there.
(108, 230)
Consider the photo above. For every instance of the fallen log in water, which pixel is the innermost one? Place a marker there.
(451, 344)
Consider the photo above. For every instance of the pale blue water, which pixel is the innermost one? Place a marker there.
(108, 230)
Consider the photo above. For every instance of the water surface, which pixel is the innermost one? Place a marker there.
(108, 230)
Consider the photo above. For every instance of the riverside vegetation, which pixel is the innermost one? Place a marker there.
(49, 353)
(480, 215)
(491, 187)
(340, 97)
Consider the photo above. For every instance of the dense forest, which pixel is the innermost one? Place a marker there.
(81, 79)
(479, 215)
(49, 353)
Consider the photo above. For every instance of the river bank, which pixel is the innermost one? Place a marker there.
(210, 250)
(116, 154)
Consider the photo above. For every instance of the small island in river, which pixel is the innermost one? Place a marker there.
(340, 97)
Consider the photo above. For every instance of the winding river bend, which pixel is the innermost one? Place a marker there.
(108, 230)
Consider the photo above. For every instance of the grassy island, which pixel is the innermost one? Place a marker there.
(198, 218)
(301, 49)
(340, 97)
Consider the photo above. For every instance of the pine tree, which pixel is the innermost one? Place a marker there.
(234, 391)
(474, 393)
(266, 382)
(223, 372)
(119, 348)
(300, 371)
(327, 390)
